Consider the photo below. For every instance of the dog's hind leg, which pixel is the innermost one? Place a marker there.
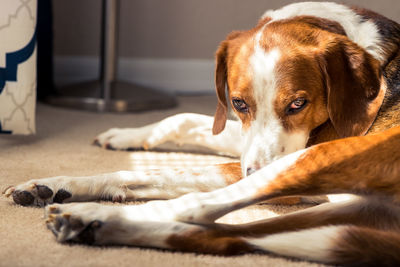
(360, 231)
(363, 230)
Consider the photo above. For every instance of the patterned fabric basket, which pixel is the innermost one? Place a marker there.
(17, 66)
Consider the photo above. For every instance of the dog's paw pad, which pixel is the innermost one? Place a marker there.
(61, 195)
(44, 192)
(23, 198)
(35, 194)
(87, 235)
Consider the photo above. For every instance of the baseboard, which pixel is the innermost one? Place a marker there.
(172, 75)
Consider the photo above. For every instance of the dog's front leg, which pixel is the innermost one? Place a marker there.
(125, 185)
(154, 223)
(178, 130)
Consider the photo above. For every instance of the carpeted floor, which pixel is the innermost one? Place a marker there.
(62, 147)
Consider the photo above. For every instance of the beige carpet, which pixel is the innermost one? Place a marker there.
(62, 147)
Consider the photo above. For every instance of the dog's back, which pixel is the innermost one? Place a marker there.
(389, 114)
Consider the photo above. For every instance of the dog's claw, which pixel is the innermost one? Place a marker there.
(9, 190)
(96, 142)
(53, 209)
(32, 186)
(109, 146)
(118, 198)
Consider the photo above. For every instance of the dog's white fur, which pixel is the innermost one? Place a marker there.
(364, 33)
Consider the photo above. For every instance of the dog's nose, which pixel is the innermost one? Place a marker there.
(250, 170)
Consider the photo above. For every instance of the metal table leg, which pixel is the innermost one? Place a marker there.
(108, 94)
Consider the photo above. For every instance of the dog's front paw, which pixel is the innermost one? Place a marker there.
(34, 193)
(63, 189)
(123, 139)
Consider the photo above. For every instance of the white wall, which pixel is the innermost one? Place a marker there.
(167, 44)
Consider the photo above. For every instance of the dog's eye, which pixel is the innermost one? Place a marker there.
(240, 105)
(296, 106)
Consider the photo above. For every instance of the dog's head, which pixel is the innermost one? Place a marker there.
(288, 78)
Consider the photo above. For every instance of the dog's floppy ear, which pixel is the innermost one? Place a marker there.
(221, 72)
(220, 83)
(352, 79)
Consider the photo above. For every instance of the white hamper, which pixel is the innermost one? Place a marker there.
(17, 66)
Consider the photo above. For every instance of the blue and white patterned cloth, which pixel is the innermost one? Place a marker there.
(17, 66)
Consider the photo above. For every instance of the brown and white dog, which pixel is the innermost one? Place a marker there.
(316, 87)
